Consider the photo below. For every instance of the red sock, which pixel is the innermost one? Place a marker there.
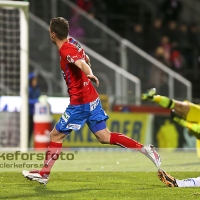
(52, 155)
(124, 141)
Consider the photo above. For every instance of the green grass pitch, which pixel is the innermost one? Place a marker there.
(105, 176)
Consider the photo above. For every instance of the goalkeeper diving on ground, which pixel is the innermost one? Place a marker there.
(187, 115)
(184, 113)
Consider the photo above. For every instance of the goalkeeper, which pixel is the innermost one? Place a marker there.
(187, 115)
(184, 113)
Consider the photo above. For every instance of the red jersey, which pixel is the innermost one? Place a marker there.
(80, 88)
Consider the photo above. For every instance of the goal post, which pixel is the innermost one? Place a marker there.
(14, 72)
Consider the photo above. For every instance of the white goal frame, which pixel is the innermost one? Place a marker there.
(24, 63)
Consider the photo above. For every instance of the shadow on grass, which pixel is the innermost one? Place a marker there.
(45, 193)
(16, 187)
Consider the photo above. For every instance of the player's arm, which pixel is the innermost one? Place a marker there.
(87, 70)
(87, 59)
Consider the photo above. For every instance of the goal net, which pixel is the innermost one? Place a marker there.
(13, 74)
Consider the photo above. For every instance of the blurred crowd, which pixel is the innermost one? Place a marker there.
(174, 44)
(92, 7)
(171, 41)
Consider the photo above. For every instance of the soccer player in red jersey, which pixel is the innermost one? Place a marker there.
(85, 105)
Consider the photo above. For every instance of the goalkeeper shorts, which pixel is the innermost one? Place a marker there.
(194, 113)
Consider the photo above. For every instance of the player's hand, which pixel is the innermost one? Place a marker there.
(94, 79)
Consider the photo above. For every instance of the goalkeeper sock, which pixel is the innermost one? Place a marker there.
(124, 141)
(163, 101)
(52, 155)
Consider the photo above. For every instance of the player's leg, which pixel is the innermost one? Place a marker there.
(52, 154)
(53, 151)
(104, 136)
(181, 108)
(97, 124)
(73, 119)
(70, 120)
(172, 182)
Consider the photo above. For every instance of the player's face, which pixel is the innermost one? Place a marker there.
(52, 36)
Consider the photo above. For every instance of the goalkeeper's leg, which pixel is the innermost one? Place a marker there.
(181, 108)
(194, 128)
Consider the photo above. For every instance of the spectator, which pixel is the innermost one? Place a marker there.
(87, 5)
(76, 29)
(172, 32)
(194, 36)
(100, 7)
(165, 44)
(158, 78)
(154, 35)
(171, 10)
(194, 43)
(95, 8)
(177, 61)
(136, 36)
(34, 93)
(160, 56)
(183, 42)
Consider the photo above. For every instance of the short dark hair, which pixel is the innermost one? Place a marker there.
(60, 27)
